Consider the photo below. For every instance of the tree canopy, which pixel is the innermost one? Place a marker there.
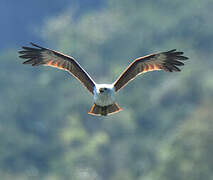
(165, 130)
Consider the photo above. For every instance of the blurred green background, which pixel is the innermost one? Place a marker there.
(166, 129)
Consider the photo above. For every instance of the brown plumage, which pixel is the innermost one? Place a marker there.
(104, 110)
(103, 94)
(46, 57)
(167, 61)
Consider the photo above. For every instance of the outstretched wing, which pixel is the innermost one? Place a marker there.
(167, 61)
(46, 57)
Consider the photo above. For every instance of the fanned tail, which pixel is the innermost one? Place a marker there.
(104, 110)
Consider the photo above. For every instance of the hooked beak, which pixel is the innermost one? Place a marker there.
(101, 90)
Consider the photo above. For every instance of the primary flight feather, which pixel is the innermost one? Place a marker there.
(104, 100)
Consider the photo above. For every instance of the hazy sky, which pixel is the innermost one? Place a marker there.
(19, 19)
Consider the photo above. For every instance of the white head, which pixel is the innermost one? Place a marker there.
(104, 88)
(104, 94)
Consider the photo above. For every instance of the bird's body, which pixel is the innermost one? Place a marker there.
(103, 94)
(104, 100)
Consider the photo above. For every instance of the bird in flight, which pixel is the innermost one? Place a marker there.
(103, 94)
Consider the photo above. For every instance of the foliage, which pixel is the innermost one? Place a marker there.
(165, 129)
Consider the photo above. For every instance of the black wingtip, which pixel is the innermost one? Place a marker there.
(173, 50)
(182, 58)
(21, 52)
(33, 44)
(30, 61)
(173, 60)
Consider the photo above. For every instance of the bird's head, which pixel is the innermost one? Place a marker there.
(103, 90)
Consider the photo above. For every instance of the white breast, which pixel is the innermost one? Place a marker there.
(106, 98)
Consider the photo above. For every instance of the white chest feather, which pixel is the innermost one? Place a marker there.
(104, 98)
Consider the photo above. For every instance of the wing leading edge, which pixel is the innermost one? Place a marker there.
(38, 55)
(167, 61)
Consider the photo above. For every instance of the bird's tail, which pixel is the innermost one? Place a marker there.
(104, 110)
